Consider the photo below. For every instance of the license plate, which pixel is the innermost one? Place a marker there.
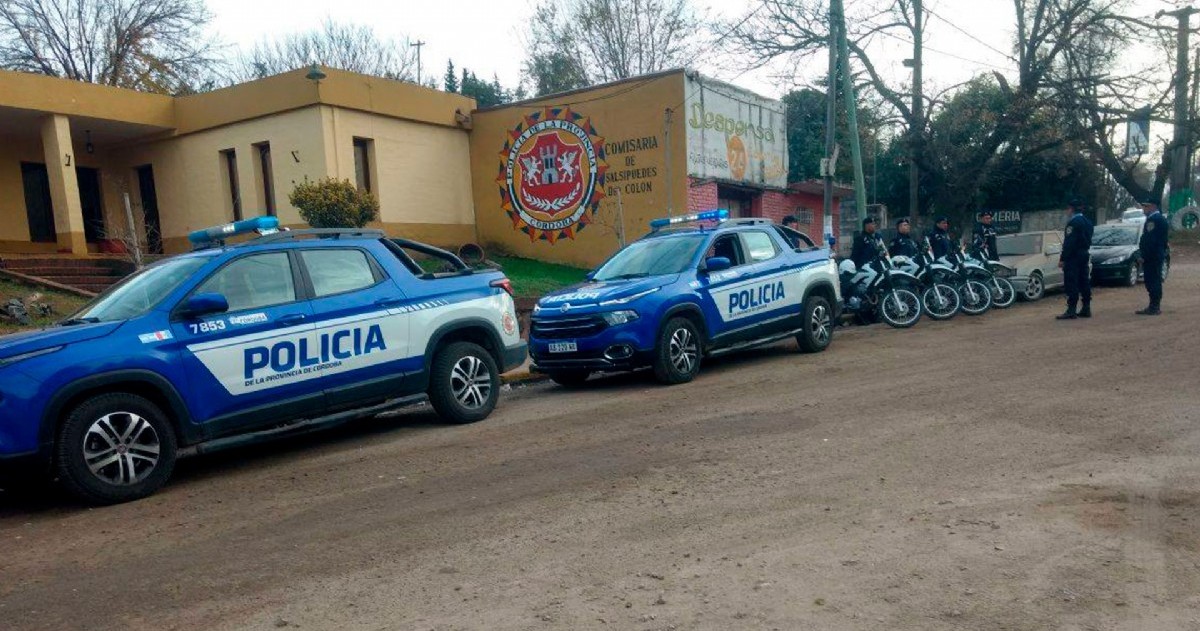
(563, 347)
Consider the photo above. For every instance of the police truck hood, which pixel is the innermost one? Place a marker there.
(27, 342)
(592, 293)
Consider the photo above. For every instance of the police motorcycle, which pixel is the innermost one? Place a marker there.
(880, 291)
(995, 277)
(938, 282)
(971, 277)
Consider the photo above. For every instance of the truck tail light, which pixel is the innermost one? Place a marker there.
(504, 284)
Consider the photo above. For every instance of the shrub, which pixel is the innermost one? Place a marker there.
(333, 203)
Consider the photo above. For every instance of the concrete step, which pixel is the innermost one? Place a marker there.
(52, 272)
(78, 281)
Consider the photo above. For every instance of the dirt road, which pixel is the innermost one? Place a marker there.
(1003, 472)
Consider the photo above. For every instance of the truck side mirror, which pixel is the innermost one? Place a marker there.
(717, 263)
(204, 304)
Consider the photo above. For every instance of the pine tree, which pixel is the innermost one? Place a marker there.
(451, 78)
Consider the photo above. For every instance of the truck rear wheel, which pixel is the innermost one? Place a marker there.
(464, 383)
(818, 325)
(115, 448)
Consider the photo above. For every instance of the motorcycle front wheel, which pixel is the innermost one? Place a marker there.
(941, 301)
(1003, 293)
(976, 298)
(900, 308)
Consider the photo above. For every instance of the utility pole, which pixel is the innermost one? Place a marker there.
(916, 125)
(417, 45)
(829, 165)
(1181, 141)
(860, 187)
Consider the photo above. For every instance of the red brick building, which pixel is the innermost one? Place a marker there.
(804, 200)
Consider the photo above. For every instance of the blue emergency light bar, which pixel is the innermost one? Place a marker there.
(709, 215)
(216, 234)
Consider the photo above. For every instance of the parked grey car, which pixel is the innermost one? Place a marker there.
(1034, 256)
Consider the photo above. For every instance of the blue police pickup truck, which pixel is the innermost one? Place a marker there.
(696, 286)
(281, 333)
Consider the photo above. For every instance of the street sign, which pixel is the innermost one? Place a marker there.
(1137, 133)
(1005, 221)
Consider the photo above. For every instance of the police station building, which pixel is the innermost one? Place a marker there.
(564, 178)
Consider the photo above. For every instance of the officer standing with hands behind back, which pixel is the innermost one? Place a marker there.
(1074, 260)
(1152, 249)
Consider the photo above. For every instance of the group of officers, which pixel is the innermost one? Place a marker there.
(1074, 260)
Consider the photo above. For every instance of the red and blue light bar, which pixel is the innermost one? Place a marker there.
(216, 234)
(719, 214)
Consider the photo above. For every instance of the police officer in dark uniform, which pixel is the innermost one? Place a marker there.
(984, 236)
(1074, 260)
(940, 243)
(868, 243)
(1153, 251)
(904, 244)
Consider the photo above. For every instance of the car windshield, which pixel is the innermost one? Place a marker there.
(139, 293)
(1114, 236)
(1132, 214)
(1019, 244)
(652, 257)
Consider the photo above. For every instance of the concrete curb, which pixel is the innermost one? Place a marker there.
(521, 376)
(44, 283)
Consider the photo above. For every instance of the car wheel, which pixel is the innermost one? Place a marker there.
(465, 383)
(1132, 274)
(677, 354)
(115, 448)
(818, 325)
(570, 378)
(1035, 289)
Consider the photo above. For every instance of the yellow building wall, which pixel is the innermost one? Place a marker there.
(646, 169)
(421, 173)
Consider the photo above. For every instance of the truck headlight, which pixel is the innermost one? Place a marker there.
(1115, 260)
(625, 316)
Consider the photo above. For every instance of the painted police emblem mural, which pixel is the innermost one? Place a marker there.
(552, 174)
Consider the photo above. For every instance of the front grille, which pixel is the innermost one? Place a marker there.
(561, 328)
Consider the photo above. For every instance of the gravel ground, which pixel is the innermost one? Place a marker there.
(1001, 472)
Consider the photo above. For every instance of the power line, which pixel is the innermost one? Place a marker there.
(964, 32)
(942, 52)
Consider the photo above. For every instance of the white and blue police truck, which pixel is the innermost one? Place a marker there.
(696, 286)
(280, 333)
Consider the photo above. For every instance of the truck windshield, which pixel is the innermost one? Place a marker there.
(652, 257)
(138, 293)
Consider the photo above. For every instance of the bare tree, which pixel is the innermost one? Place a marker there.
(352, 47)
(1036, 76)
(579, 42)
(149, 45)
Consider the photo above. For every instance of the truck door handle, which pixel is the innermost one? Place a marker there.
(295, 318)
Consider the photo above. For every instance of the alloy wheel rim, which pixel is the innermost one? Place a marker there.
(1034, 288)
(820, 324)
(121, 448)
(471, 382)
(683, 350)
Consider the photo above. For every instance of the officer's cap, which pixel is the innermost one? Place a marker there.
(942, 219)
(1075, 203)
(985, 213)
(868, 221)
(901, 221)
(1149, 201)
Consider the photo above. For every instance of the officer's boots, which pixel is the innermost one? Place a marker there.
(1152, 310)
(1069, 314)
(1086, 311)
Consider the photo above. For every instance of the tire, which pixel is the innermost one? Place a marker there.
(817, 333)
(976, 299)
(941, 301)
(570, 378)
(1035, 289)
(677, 354)
(114, 448)
(1132, 274)
(902, 314)
(464, 383)
(1003, 293)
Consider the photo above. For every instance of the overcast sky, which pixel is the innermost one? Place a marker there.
(485, 35)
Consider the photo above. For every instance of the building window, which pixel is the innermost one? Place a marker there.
(804, 216)
(229, 160)
(266, 177)
(364, 150)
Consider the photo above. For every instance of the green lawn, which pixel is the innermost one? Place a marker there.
(532, 279)
(64, 304)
